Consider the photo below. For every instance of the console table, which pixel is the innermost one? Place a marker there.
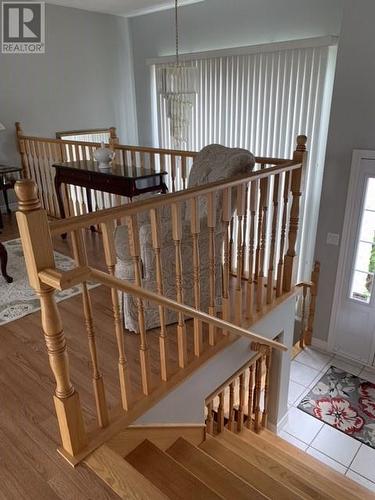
(118, 179)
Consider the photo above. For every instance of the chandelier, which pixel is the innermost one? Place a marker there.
(178, 84)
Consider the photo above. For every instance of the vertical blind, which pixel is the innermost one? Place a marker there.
(261, 102)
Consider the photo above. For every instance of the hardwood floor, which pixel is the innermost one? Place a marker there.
(30, 467)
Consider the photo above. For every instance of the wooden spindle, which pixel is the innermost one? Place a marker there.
(231, 407)
(163, 338)
(135, 252)
(107, 230)
(267, 358)
(250, 280)
(250, 395)
(22, 151)
(262, 247)
(173, 172)
(257, 394)
(38, 250)
(79, 252)
(290, 266)
(183, 172)
(227, 217)
(195, 231)
(231, 241)
(241, 406)
(245, 229)
(240, 214)
(313, 294)
(280, 265)
(210, 419)
(303, 315)
(181, 327)
(220, 413)
(211, 223)
(271, 260)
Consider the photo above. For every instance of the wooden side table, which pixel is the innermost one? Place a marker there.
(5, 185)
(4, 262)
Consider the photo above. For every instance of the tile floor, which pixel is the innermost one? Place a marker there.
(334, 448)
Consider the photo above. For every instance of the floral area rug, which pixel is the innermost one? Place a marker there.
(344, 401)
(18, 299)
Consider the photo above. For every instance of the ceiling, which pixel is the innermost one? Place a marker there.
(127, 8)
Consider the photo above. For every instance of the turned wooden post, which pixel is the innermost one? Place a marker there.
(211, 223)
(195, 231)
(300, 156)
(268, 354)
(22, 151)
(231, 407)
(210, 418)
(181, 327)
(227, 217)
(163, 338)
(123, 369)
(144, 355)
(220, 413)
(38, 251)
(240, 214)
(313, 294)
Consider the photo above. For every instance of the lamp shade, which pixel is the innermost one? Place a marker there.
(2, 126)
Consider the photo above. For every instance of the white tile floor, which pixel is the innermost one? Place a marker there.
(334, 448)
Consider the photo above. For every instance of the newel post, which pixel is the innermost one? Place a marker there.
(38, 251)
(300, 156)
(22, 150)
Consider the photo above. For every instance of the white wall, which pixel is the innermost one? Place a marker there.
(215, 24)
(84, 80)
(185, 404)
(352, 126)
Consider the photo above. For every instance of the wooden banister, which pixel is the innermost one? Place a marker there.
(105, 279)
(38, 252)
(72, 223)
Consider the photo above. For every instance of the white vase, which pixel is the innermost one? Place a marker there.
(104, 156)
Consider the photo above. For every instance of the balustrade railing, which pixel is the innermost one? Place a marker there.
(176, 252)
(242, 400)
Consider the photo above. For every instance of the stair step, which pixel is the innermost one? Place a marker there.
(269, 441)
(255, 476)
(124, 479)
(275, 469)
(212, 473)
(167, 474)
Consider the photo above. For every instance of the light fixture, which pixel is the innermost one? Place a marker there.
(178, 84)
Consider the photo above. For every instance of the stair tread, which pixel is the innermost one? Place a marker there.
(167, 474)
(270, 487)
(276, 469)
(124, 479)
(212, 473)
(295, 454)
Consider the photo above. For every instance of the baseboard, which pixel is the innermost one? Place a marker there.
(275, 428)
(322, 345)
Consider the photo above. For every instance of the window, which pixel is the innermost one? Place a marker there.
(364, 264)
(261, 102)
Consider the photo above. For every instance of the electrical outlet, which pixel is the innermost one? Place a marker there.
(333, 239)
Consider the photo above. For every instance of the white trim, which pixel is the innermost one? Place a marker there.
(357, 157)
(159, 7)
(319, 344)
(324, 41)
(276, 428)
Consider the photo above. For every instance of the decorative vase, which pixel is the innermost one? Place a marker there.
(104, 156)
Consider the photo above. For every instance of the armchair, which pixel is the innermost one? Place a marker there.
(212, 163)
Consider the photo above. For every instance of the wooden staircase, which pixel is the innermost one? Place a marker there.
(227, 466)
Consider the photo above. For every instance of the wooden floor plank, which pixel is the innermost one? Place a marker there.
(124, 479)
(252, 475)
(212, 473)
(168, 475)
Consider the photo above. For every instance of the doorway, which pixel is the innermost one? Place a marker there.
(352, 329)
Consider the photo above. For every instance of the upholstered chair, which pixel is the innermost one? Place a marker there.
(212, 163)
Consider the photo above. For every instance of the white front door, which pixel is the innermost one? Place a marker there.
(353, 318)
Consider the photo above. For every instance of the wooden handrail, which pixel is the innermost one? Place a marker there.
(233, 377)
(82, 221)
(55, 278)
